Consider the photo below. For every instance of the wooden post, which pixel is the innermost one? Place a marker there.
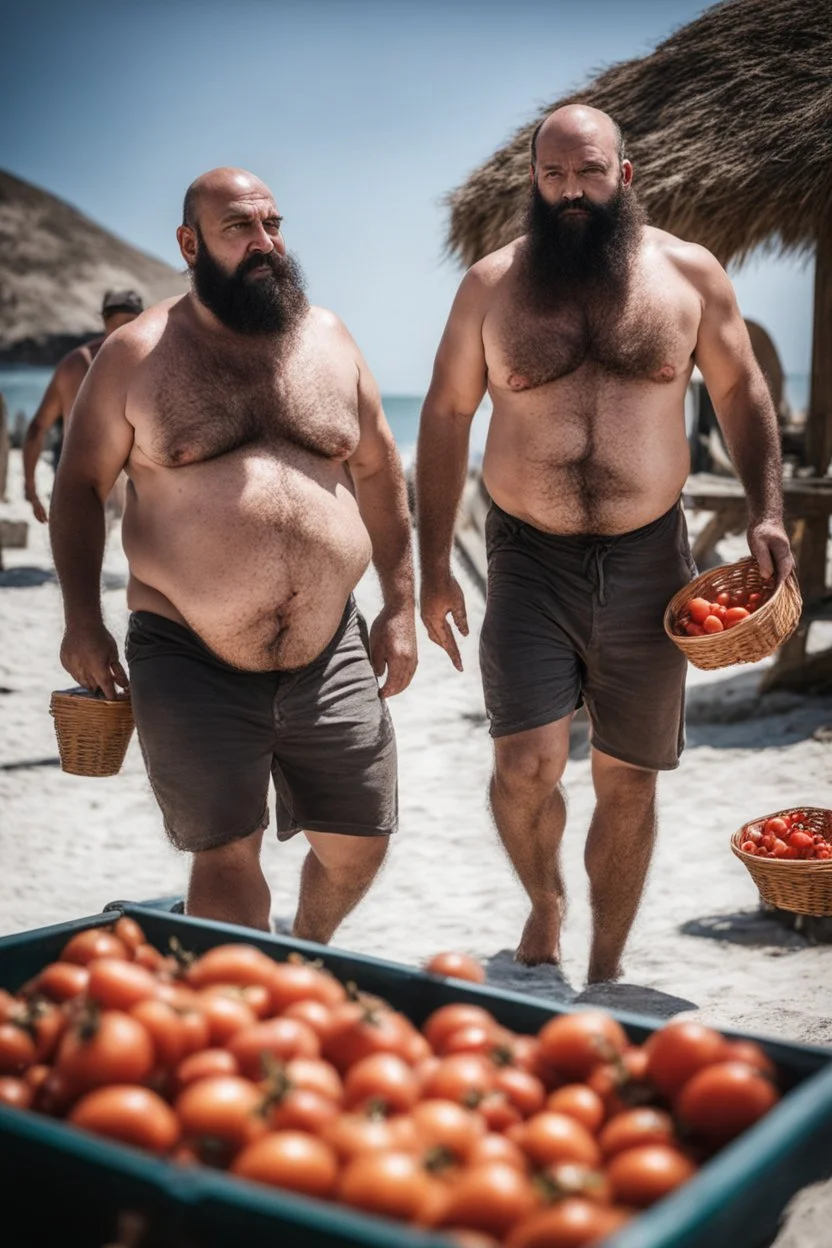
(819, 416)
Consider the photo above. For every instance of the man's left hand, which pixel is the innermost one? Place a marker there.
(769, 545)
(393, 647)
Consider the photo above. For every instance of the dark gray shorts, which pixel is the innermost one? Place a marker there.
(572, 620)
(212, 735)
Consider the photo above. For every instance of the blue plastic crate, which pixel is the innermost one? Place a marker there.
(59, 1177)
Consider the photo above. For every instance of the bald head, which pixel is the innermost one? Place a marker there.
(575, 125)
(219, 187)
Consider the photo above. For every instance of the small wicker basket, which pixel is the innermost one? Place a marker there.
(751, 640)
(804, 887)
(93, 733)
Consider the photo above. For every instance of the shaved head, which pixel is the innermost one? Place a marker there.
(221, 186)
(578, 123)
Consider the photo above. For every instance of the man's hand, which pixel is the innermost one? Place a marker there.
(393, 647)
(769, 545)
(90, 655)
(38, 508)
(439, 600)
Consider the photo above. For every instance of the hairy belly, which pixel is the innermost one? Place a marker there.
(256, 556)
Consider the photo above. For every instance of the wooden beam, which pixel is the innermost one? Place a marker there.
(819, 415)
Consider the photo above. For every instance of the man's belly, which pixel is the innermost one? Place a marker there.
(256, 556)
(572, 467)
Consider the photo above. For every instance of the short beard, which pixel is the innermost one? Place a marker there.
(580, 261)
(269, 305)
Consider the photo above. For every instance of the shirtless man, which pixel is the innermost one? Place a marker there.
(585, 331)
(263, 478)
(118, 308)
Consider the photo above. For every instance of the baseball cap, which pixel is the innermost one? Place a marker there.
(122, 301)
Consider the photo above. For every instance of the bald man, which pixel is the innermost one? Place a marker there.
(584, 332)
(263, 479)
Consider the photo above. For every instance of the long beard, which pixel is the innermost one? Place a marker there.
(272, 303)
(580, 261)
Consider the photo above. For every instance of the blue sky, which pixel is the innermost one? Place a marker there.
(360, 114)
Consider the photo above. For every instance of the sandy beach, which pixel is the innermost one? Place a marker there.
(701, 943)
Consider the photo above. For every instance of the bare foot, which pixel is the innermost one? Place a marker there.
(540, 941)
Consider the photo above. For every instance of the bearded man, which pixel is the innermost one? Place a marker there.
(263, 478)
(584, 331)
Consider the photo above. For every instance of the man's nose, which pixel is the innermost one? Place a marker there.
(262, 240)
(572, 190)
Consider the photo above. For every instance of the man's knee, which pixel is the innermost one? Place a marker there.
(526, 762)
(360, 856)
(615, 778)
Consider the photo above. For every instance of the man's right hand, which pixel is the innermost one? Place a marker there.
(37, 506)
(90, 655)
(438, 600)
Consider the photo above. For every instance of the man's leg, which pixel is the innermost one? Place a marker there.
(530, 813)
(337, 872)
(228, 885)
(618, 851)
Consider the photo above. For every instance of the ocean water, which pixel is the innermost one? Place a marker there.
(23, 387)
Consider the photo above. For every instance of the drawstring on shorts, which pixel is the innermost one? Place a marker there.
(594, 557)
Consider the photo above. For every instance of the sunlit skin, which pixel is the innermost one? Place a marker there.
(263, 479)
(585, 440)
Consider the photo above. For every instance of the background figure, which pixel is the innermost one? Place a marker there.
(263, 480)
(119, 307)
(585, 332)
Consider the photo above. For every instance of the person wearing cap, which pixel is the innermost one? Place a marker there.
(119, 307)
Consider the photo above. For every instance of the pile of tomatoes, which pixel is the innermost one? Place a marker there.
(280, 1074)
(790, 836)
(700, 616)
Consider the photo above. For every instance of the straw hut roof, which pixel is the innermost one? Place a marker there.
(728, 124)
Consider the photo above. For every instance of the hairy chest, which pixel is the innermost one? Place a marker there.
(200, 406)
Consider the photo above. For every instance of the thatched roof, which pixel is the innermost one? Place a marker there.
(728, 124)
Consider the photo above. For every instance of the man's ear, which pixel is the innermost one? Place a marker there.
(626, 173)
(186, 238)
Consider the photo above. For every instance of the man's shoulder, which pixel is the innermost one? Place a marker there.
(494, 266)
(77, 360)
(133, 341)
(691, 260)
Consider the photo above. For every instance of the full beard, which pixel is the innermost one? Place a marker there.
(582, 262)
(273, 303)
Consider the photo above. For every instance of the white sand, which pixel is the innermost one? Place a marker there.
(701, 943)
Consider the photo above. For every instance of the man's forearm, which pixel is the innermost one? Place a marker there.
(77, 531)
(382, 502)
(32, 448)
(441, 468)
(749, 423)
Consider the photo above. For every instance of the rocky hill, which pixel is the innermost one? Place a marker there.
(55, 265)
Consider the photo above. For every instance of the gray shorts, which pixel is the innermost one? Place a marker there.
(212, 735)
(572, 620)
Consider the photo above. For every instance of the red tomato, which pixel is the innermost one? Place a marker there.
(776, 826)
(95, 942)
(801, 840)
(384, 1079)
(623, 1084)
(358, 1029)
(16, 1092)
(149, 957)
(641, 1176)
(549, 1137)
(110, 1047)
(490, 1197)
(735, 615)
(752, 1054)
(694, 630)
(301, 1109)
(62, 981)
(578, 1101)
(119, 985)
(571, 1223)
(352, 1134)
(576, 1043)
(456, 966)
(203, 1065)
(522, 1089)
(391, 1185)
(497, 1110)
(293, 1160)
(712, 624)
(448, 1018)
(225, 1016)
(444, 1124)
(699, 610)
(280, 1039)
(677, 1051)
(316, 1074)
(166, 1029)
(130, 934)
(130, 1115)
(221, 1114)
(496, 1147)
(17, 1049)
(723, 1100)
(635, 1127)
(298, 981)
(314, 1013)
(462, 1077)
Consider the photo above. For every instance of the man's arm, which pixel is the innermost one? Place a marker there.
(96, 448)
(49, 411)
(456, 391)
(746, 414)
(381, 493)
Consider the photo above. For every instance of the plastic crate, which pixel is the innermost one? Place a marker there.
(67, 1187)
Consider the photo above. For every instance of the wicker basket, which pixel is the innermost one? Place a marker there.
(93, 733)
(752, 639)
(802, 886)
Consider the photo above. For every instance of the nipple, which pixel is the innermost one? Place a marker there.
(666, 373)
(516, 382)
